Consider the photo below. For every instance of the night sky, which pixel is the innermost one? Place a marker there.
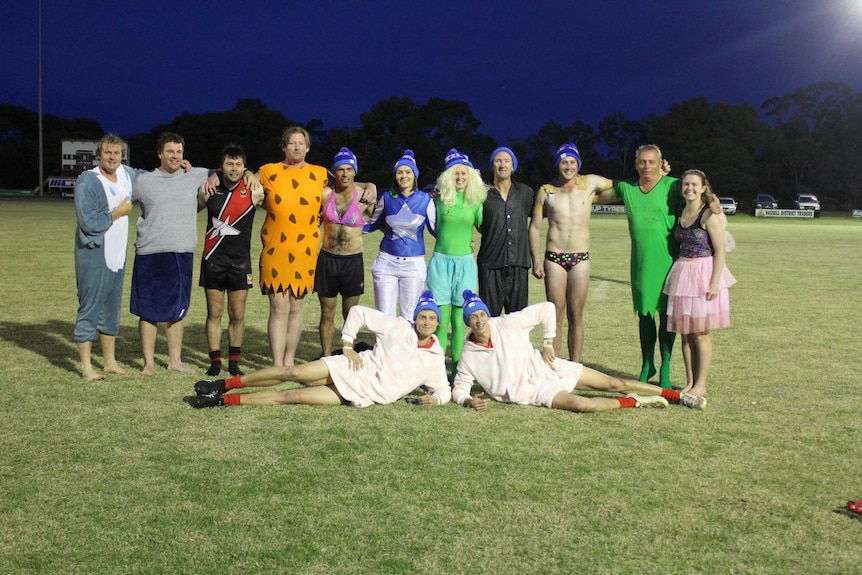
(133, 64)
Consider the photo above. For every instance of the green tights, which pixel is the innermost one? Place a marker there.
(666, 340)
(454, 315)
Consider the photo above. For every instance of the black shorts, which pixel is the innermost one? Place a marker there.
(343, 275)
(224, 275)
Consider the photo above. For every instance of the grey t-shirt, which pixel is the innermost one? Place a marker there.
(169, 207)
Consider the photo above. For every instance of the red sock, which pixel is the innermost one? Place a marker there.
(233, 382)
(671, 395)
(232, 399)
(627, 402)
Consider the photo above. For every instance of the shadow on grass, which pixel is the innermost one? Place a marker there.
(614, 372)
(53, 341)
(611, 280)
(847, 513)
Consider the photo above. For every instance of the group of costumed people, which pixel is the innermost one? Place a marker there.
(690, 299)
(687, 290)
(290, 237)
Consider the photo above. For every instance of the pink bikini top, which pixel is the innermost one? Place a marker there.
(353, 217)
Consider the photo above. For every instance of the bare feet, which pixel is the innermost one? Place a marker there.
(90, 374)
(179, 367)
(687, 388)
(148, 370)
(115, 368)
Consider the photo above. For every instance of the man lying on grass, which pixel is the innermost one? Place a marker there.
(404, 357)
(498, 356)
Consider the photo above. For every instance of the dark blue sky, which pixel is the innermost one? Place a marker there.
(134, 64)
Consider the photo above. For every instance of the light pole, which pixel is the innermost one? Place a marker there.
(41, 149)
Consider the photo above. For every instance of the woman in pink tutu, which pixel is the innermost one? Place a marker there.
(697, 283)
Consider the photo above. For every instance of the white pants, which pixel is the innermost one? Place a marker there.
(398, 280)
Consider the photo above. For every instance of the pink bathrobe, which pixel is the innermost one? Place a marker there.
(395, 367)
(512, 370)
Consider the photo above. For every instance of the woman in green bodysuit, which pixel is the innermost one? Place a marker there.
(452, 268)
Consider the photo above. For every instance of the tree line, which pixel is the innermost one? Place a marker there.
(808, 141)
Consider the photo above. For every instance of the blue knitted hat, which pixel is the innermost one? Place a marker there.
(426, 301)
(569, 150)
(344, 156)
(508, 151)
(454, 157)
(472, 304)
(407, 160)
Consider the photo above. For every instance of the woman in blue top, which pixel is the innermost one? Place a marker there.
(402, 214)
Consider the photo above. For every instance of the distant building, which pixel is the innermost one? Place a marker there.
(78, 157)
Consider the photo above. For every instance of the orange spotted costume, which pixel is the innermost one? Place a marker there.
(290, 234)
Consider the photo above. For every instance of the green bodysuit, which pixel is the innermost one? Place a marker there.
(651, 218)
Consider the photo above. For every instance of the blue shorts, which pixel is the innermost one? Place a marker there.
(161, 286)
(449, 276)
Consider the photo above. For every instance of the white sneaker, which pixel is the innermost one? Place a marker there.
(692, 401)
(649, 401)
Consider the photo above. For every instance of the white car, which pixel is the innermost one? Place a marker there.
(808, 202)
(728, 205)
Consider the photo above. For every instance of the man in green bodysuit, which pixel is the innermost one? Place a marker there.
(651, 206)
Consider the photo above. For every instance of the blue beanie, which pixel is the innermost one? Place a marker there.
(426, 301)
(472, 304)
(454, 157)
(344, 156)
(569, 150)
(508, 151)
(407, 160)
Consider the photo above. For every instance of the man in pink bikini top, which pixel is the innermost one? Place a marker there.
(340, 266)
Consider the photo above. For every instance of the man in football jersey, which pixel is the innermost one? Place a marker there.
(226, 260)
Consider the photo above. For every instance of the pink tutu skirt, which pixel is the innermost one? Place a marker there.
(688, 310)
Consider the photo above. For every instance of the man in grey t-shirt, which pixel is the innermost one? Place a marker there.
(164, 250)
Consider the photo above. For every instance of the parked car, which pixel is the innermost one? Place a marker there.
(728, 205)
(765, 201)
(808, 202)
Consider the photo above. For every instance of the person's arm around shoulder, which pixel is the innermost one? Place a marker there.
(605, 191)
(716, 235)
(324, 195)
(714, 204)
(431, 216)
(369, 194)
(203, 195)
(375, 219)
(251, 179)
(535, 232)
(369, 209)
(257, 194)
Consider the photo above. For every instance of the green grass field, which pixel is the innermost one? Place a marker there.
(121, 476)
